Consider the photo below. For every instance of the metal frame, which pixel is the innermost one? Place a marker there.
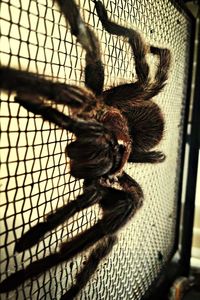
(174, 269)
(188, 215)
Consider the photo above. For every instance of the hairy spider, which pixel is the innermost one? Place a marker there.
(111, 127)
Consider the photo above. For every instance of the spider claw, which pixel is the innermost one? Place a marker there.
(161, 157)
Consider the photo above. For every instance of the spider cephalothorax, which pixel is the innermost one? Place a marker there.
(111, 127)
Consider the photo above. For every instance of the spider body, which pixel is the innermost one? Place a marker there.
(116, 125)
(112, 127)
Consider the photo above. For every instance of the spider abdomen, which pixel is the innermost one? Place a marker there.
(146, 125)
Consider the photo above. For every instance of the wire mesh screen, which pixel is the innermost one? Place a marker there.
(35, 176)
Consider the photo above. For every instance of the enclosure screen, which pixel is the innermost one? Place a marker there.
(35, 177)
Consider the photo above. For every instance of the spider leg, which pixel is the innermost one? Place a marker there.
(161, 75)
(78, 126)
(118, 207)
(136, 91)
(30, 84)
(143, 88)
(90, 196)
(102, 249)
(94, 71)
(135, 40)
(35, 105)
(147, 157)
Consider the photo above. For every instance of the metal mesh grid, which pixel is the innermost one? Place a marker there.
(35, 177)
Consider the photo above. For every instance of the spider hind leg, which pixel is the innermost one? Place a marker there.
(115, 214)
(135, 40)
(89, 197)
(144, 88)
(102, 249)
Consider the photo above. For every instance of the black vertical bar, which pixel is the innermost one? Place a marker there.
(188, 214)
(184, 136)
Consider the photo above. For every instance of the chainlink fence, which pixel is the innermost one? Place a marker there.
(35, 176)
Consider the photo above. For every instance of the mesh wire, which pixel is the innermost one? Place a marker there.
(35, 176)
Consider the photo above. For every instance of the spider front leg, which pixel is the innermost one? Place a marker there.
(90, 196)
(32, 85)
(118, 207)
(94, 71)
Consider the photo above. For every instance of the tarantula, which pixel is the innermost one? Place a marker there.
(112, 127)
